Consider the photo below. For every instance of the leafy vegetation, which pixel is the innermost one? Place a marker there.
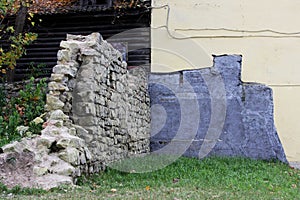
(35, 70)
(20, 191)
(16, 40)
(49, 6)
(123, 4)
(25, 10)
(187, 178)
(13, 32)
(21, 110)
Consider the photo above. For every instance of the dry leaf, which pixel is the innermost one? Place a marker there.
(113, 190)
(176, 180)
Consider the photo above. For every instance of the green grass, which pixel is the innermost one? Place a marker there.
(211, 178)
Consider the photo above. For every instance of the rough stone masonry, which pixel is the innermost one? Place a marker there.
(100, 95)
(97, 112)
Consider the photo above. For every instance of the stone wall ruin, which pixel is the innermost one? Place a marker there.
(92, 85)
(98, 112)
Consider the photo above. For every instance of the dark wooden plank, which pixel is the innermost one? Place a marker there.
(54, 29)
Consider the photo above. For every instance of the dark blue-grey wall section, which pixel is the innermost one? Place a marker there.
(247, 128)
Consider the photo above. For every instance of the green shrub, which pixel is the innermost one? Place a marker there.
(21, 110)
(35, 70)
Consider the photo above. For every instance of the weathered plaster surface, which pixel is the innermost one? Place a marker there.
(233, 118)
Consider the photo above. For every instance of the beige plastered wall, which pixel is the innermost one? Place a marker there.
(185, 35)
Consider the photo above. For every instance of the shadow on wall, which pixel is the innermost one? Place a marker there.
(212, 112)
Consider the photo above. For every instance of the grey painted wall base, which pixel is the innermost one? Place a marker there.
(211, 111)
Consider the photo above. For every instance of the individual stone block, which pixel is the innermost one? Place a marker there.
(39, 171)
(85, 86)
(84, 96)
(52, 180)
(12, 147)
(53, 103)
(64, 69)
(62, 168)
(67, 107)
(45, 141)
(100, 100)
(59, 78)
(63, 55)
(70, 155)
(86, 72)
(85, 120)
(90, 52)
(58, 115)
(84, 109)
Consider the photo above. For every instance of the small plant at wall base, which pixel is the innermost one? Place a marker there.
(21, 111)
